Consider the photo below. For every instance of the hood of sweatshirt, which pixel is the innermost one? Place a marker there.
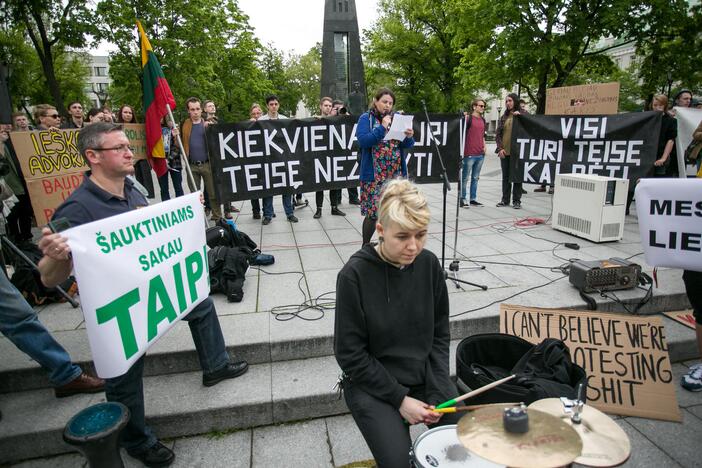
(369, 254)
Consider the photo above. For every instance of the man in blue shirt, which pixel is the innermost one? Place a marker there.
(107, 192)
(195, 145)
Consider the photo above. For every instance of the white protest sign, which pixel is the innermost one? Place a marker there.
(688, 120)
(138, 274)
(670, 222)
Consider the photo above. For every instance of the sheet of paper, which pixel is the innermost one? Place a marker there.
(400, 123)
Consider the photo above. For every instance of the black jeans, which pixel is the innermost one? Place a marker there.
(334, 198)
(386, 433)
(507, 187)
(142, 172)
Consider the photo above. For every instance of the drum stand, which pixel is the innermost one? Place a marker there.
(446, 187)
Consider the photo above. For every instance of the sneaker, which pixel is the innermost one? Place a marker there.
(475, 203)
(692, 381)
(257, 215)
(501, 204)
(230, 371)
(266, 220)
(292, 219)
(337, 212)
(517, 205)
(299, 202)
(540, 189)
(84, 383)
(156, 455)
(318, 213)
(463, 204)
(550, 191)
(234, 209)
(355, 201)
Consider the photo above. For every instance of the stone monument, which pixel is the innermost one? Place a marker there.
(342, 65)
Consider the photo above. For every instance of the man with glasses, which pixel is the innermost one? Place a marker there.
(105, 192)
(47, 116)
(473, 153)
(75, 109)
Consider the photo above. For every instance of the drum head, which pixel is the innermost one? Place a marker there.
(440, 447)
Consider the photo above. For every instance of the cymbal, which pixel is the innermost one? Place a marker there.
(549, 442)
(604, 442)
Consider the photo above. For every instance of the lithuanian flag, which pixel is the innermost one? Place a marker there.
(157, 95)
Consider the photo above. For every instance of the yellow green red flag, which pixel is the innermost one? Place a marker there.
(157, 95)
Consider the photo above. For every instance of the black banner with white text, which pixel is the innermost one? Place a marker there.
(255, 159)
(621, 145)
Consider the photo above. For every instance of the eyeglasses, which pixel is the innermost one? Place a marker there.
(480, 105)
(119, 149)
(53, 116)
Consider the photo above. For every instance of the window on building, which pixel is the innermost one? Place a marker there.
(101, 87)
(100, 71)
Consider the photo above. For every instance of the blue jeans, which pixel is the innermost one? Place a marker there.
(471, 167)
(128, 389)
(19, 323)
(287, 206)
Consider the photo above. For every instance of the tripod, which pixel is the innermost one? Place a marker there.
(4, 241)
(446, 189)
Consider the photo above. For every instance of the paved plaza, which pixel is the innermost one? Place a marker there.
(285, 412)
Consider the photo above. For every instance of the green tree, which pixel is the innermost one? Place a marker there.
(27, 83)
(52, 28)
(665, 48)
(207, 49)
(410, 50)
(276, 70)
(538, 45)
(305, 71)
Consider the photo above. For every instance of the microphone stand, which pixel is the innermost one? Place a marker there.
(446, 189)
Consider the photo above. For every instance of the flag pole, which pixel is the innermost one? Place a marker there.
(183, 156)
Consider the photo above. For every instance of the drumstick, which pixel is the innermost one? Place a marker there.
(456, 409)
(475, 392)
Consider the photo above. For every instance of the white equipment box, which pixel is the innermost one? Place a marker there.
(590, 206)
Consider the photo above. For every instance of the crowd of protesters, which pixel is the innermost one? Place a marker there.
(372, 125)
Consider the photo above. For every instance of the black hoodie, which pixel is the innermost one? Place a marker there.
(392, 328)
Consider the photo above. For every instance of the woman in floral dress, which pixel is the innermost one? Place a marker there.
(380, 160)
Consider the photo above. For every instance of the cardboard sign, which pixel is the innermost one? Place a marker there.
(684, 317)
(137, 138)
(625, 357)
(48, 193)
(53, 168)
(670, 222)
(592, 99)
(139, 273)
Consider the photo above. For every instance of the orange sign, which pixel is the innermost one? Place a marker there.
(52, 166)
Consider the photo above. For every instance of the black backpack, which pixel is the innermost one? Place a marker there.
(228, 267)
(543, 371)
(223, 234)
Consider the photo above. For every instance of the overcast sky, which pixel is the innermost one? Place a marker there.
(290, 25)
(296, 25)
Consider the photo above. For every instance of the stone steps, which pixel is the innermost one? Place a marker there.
(178, 405)
(259, 338)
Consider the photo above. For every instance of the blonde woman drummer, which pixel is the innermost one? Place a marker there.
(391, 336)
